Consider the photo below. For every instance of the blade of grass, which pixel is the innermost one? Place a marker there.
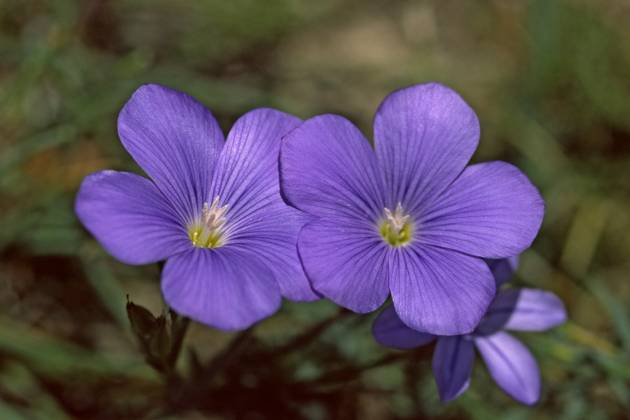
(53, 356)
(105, 285)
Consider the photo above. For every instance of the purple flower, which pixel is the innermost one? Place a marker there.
(509, 362)
(211, 207)
(502, 269)
(409, 217)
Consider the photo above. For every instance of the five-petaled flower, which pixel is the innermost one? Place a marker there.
(408, 217)
(212, 208)
(509, 362)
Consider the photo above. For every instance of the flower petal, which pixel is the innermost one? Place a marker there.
(523, 310)
(176, 140)
(345, 262)
(389, 331)
(273, 238)
(492, 211)
(225, 288)
(424, 136)
(129, 217)
(503, 269)
(511, 365)
(453, 360)
(439, 291)
(246, 178)
(328, 169)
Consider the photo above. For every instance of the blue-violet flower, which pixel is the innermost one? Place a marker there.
(509, 362)
(409, 217)
(211, 208)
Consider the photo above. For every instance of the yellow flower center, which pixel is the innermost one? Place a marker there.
(207, 232)
(396, 228)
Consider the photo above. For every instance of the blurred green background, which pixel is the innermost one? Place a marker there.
(550, 81)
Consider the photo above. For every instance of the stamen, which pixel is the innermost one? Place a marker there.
(208, 231)
(396, 229)
(398, 218)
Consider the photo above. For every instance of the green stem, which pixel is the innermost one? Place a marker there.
(351, 373)
(308, 336)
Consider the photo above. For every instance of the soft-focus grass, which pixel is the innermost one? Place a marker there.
(549, 81)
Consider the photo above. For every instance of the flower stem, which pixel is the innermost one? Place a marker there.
(353, 372)
(308, 336)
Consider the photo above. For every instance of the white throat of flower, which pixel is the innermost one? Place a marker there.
(396, 228)
(208, 231)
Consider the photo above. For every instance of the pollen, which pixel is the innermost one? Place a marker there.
(396, 227)
(208, 230)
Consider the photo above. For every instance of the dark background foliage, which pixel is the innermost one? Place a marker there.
(550, 81)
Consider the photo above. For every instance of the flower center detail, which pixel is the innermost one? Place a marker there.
(207, 232)
(396, 228)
